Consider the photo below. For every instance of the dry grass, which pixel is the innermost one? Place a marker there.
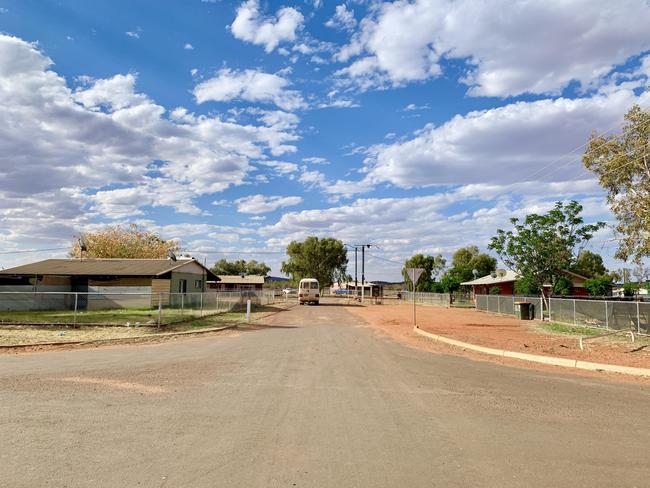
(35, 334)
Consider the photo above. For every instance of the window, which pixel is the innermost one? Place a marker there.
(198, 283)
(182, 286)
(314, 285)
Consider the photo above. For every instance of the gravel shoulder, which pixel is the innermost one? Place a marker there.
(502, 332)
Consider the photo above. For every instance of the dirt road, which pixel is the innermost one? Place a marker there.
(317, 400)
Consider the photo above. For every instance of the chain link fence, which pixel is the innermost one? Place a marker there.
(131, 309)
(421, 298)
(606, 314)
(506, 304)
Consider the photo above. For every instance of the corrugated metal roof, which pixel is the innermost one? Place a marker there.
(101, 267)
(490, 280)
(239, 280)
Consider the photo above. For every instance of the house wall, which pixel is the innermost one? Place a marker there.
(237, 287)
(191, 278)
(160, 291)
(48, 297)
(507, 288)
(119, 293)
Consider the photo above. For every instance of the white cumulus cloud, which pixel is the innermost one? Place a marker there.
(259, 204)
(249, 85)
(251, 26)
(510, 47)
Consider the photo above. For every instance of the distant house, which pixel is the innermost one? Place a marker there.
(369, 289)
(148, 278)
(505, 281)
(238, 283)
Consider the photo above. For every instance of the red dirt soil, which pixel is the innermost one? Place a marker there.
(499, 332)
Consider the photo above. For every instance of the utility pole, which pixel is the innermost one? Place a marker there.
(363, 268)
(363, 272)
(356, 283)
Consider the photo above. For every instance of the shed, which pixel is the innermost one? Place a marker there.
(238, 283)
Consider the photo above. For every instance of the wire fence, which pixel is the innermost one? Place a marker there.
(606, 314)
(421, 298)
(130, 309)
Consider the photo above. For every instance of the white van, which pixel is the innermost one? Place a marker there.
(308, 291)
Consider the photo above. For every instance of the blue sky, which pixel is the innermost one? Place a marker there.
(417, 126)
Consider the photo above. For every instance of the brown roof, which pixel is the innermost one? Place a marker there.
(102, 267)
(242, 280)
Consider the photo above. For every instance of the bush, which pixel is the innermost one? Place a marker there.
(630, 289)
(526, 286)
(562, 286)
(495, 290)
(599, 286)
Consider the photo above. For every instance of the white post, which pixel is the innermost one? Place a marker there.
(248, 310)
(575, 322)
(74, 319)
(638, 319)
(201, 304)
(414, 321)
(159, 308)
(606, 316)
(541, 302)
(498, 303)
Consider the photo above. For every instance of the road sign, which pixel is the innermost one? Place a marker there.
(414, 274)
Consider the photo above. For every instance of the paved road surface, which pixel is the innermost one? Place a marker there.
(319, 402)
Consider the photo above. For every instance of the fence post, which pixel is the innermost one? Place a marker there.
(74, 318)
(575, 322)
(541, 313)
(248, 310)
(182, 303)
(159, 308)
(606, 316)
(498, 304)
(638, 319)
(201, 304)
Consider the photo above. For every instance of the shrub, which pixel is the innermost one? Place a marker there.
(562, 286)
(599, 286)
(494, 290)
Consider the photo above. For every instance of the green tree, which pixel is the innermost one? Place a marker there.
(131, 242)
(630, 289)
(324, 259)
(240, 267)
(432, 266)
(562, 286)
(599, 286)
(464, 262)
(543, 246)
(527, 286)
(622, 163)
(589, 264)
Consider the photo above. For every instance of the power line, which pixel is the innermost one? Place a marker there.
(25, 251)
(613, 170)
(557, 160)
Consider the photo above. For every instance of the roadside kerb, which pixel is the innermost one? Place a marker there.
(536, 358)
(134, 340)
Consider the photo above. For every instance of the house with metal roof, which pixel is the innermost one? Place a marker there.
(149, 278)
(238, 283)
(504, 280)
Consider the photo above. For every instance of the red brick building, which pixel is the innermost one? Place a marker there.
(505, 281)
